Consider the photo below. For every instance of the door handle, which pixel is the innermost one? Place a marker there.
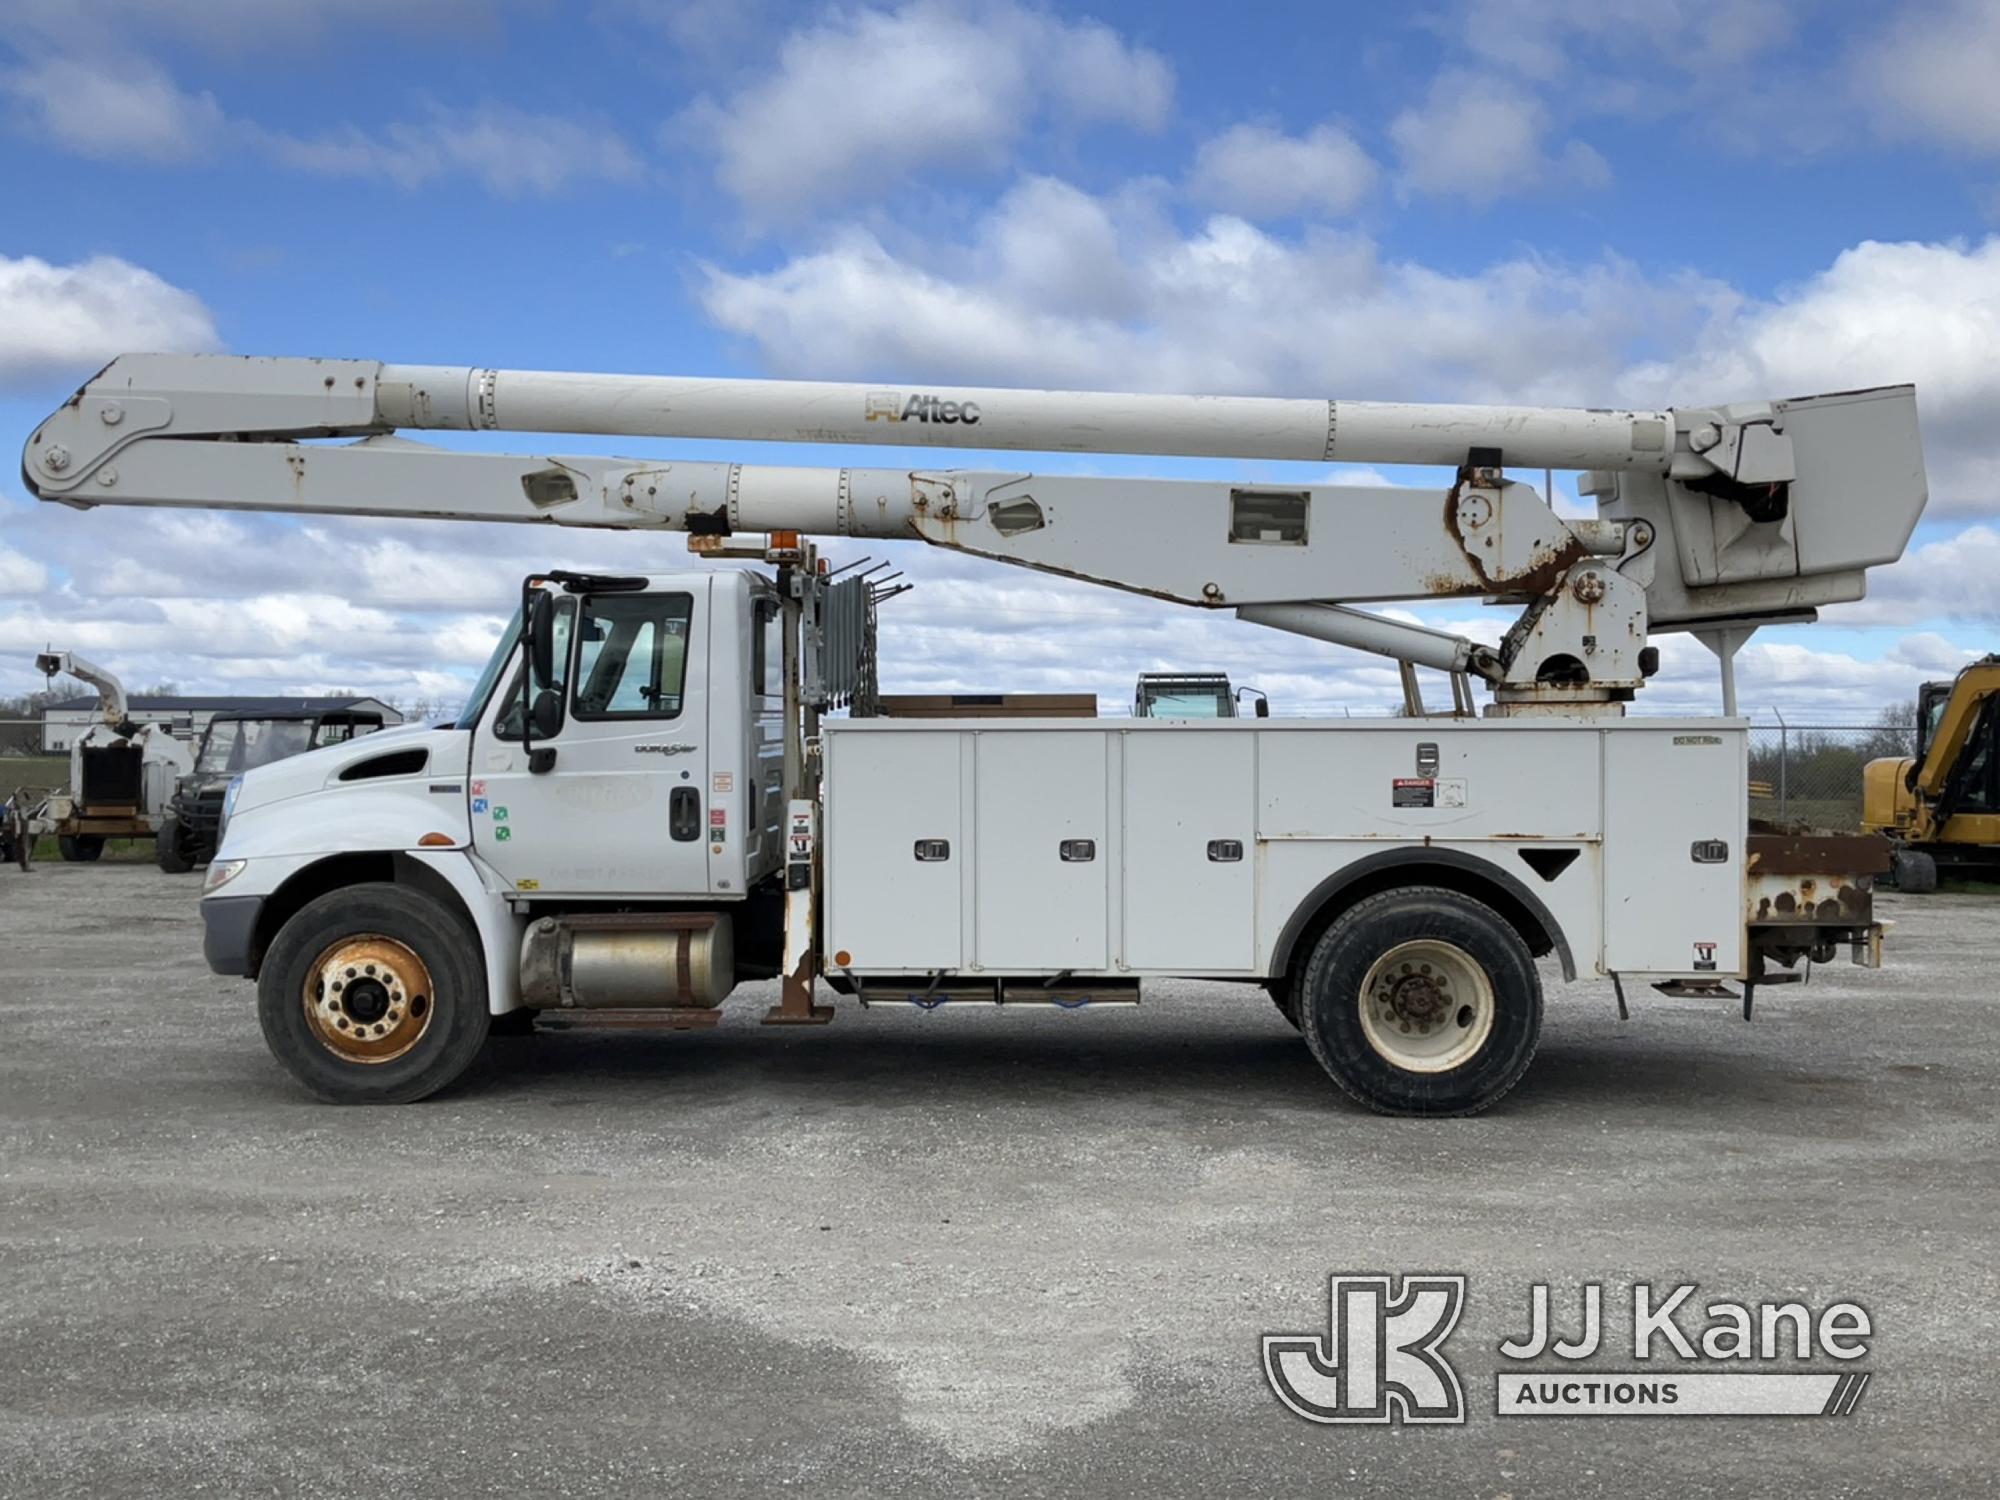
(684, 814)
(1225, 851)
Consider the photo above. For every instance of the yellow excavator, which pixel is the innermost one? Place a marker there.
(1942, 806)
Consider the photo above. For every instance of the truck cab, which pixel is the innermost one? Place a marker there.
(649, 765)
(1191, 695)
(600, 827)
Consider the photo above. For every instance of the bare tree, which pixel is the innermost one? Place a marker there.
(1895, 731)
(21, 723)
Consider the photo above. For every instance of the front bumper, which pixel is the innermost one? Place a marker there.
(228, 933)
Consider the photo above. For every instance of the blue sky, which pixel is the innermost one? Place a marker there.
(1550, 200)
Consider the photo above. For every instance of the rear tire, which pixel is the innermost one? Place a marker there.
(80, 848)
(1913, 872)
(413, 1015)
(1422, 1001)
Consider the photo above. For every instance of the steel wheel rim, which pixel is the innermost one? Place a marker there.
(1427, 1006)
(368, 998)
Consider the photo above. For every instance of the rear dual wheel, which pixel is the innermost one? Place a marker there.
(80, 848)
(1421, 1001)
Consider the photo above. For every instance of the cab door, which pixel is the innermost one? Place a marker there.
(621, 810)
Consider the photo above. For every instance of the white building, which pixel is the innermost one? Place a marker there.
(186, 718)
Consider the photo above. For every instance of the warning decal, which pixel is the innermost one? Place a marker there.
(1413, 791)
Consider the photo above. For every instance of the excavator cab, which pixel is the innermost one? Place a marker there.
(1942, 806)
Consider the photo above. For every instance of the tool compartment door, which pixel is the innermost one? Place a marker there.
(895, 850)
(1040, 856)
(1666, 791)
(1190, 850)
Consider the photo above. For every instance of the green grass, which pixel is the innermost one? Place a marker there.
(116, 851)
(32, 770)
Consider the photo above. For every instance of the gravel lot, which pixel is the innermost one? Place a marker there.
(1028, 1253)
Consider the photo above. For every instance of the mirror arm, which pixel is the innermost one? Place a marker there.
(527, 670)
(540, 760)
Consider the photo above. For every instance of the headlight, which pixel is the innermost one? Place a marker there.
(221, 872)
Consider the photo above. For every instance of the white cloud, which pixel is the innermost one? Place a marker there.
(125, 109)
(1263, 173)
(99, 27)
(511, 151)
(1543, 39)
(1931, 75)
(1481, 138)
(870, 96)
(1953, 578)
(65, 319)
(21, 575)
(1228, 307)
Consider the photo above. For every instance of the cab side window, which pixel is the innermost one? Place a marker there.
(632, 656)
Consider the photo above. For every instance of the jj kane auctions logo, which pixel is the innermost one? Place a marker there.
(892, 406)
(1381, 1358)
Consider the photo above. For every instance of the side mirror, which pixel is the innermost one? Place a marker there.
(1263, 708)
(542, 640)
(547, 713)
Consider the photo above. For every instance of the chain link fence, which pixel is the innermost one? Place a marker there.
(1811, 773)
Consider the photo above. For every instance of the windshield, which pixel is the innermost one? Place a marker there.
(510, 640)
(1191, 703)
(236, 745)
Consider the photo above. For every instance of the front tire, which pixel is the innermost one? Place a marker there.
(374, 994)
(1913, 872)
(1422, 1001)
(168, 851)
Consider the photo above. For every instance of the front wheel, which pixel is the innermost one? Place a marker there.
(374, 994)
(1422, 1001)
(169, 853)
(1913, 872)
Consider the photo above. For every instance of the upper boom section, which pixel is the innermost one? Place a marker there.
(276, 399)
(933, 416)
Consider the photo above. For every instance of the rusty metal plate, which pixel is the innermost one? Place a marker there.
(1847, 854)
